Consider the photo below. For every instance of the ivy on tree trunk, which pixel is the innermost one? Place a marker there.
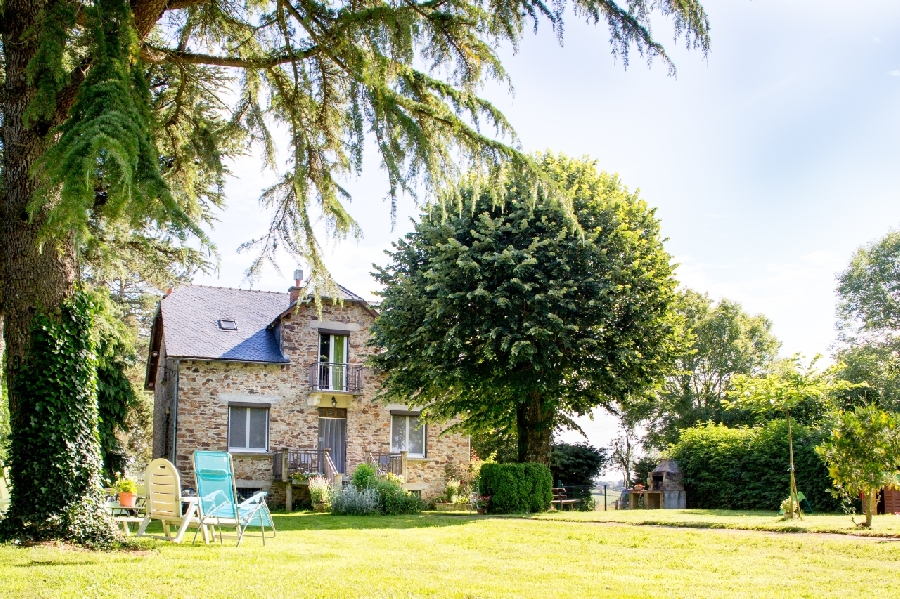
(54, 454)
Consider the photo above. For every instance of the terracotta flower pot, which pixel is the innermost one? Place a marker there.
(481, 511)
(126, 499)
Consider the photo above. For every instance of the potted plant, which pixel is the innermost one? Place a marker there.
(319, 493)
(300, 478)
(126, 488)
(481, 503)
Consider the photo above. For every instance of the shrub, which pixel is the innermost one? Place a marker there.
(451, 491)
(364, 477)
(517, 488)
(747, 468)
(393, 500)
(576, 463)
(351, 501)
(319, 490)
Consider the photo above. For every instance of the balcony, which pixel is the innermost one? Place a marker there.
(334, 384)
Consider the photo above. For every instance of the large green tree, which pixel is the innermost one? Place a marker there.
(869, 292)
(512, 313)
(118, 117)
(722, 341)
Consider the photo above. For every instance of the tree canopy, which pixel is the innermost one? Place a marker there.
(869, 291)
(517, 315)
(722, 341)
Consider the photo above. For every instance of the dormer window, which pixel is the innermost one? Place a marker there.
(227, 324)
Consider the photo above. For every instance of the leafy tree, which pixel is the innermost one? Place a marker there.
(790, 385)
(576, 463)
(863, 453)
(874, 367)
(869, 292)
(118, 117)
(518, 315)
(622, 452)
(723, 341)
(643, 466)
(497, 444)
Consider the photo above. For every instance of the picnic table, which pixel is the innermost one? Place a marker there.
(561, 499)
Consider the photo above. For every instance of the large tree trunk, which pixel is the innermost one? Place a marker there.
(34, 278)
(534, 424)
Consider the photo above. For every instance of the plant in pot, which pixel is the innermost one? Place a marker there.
(126, 488)
(319, 493)
(300, 478)
(481, 503)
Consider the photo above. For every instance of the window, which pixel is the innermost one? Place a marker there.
(333, 357)
(228, 324)
(248, 428)
(408, 434)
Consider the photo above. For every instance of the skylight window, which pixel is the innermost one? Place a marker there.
(227, 324)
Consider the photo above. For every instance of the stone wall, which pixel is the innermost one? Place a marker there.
(206, 388)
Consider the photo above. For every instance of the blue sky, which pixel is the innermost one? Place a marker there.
(770, 161)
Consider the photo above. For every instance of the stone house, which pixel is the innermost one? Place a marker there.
(257, 373)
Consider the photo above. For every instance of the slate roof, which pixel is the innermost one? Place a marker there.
(191, 315)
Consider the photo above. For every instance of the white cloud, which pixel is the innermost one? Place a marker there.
(895, 73)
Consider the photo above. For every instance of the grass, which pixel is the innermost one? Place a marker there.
(882, 526)
(466, 556)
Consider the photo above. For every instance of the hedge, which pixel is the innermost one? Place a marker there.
(747, 468)
(516, 488)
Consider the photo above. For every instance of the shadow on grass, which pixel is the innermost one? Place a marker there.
(309, 521)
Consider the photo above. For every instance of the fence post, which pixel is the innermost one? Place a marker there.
(288, 485)
(604, 498)
(403, 465)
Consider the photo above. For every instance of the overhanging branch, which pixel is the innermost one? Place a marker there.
(156, 55)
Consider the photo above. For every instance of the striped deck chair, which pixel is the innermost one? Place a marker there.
(219, 507)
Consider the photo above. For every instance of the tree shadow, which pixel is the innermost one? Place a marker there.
(310, 521)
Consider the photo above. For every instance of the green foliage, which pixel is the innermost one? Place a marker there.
(517, 488)
(104, 163)
(499, 445)
(722, 341)
(863, 452)
(576, 463)
(125, 485)
(393, 500)
(874, 368)
(748, 468)
(364, 477)
(643, 466)
(54, 450)
(320, 490)
(351, 501)
(516, 316)
(868, 291)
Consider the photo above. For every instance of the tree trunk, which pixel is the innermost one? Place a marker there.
(795, 497)
(31, 277)
(871, 506)
(534, 424)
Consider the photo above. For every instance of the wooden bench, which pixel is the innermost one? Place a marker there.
(561, 499)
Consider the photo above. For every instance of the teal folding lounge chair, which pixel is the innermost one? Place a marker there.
(218, 497)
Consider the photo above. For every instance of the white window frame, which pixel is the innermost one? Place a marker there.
(233, 449)
(422, 426)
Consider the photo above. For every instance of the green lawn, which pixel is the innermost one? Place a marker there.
(467, 556)
(882, 526)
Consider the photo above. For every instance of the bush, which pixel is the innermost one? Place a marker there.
(351, 501)
(364, 477)
(747, 468)
(319, 490)
(393, 500)
(517, 488)
(576, 463)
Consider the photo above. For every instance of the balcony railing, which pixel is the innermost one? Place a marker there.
(329, 376)
(386, 462)
(305, 461)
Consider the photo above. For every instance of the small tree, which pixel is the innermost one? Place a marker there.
(787, 387)
(577, 463)
(863, 453)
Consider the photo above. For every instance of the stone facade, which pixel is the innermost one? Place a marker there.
(206, 388)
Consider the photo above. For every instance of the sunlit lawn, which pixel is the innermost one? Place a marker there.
(460, 556)
(882, 526)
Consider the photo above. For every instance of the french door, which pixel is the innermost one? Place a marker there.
(333, 358)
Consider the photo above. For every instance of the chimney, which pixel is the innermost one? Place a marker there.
(298, 282)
